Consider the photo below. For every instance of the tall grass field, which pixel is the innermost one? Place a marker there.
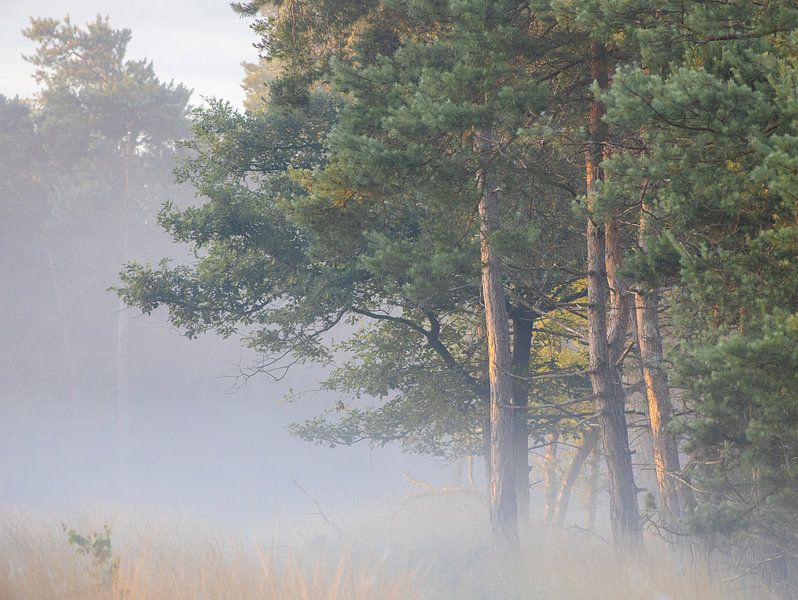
(432, 548)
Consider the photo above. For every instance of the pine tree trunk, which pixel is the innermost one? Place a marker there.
(564, 496)
(503, 507)
(606, 339)
(523, 321)
(660, 409)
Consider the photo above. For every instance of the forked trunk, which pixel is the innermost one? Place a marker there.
(589, 441)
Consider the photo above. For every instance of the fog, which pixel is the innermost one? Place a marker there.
(193, 435)
(187, 434)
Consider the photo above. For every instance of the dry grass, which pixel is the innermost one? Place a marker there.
(431, 549)
(188, 561)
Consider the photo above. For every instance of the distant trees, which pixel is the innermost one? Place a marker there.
(524, 206)
(89, 158)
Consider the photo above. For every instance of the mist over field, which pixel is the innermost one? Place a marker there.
(190, 435)
(315, 299)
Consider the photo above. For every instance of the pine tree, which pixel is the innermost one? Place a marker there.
(393, 210)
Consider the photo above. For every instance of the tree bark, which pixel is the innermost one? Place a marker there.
(503, 507)
(657, 390)
(523, 322)
(589, 441)
(606, 339)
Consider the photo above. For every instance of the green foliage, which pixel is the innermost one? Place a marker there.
(104, 567)
(85, 72)
(423, 403)
(257, 266)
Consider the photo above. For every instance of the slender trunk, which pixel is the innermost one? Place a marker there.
(503, 508)
(472, 483)
(606, 339)
(523, 322)
(589, 441)
(121, 337)
(550, 477)
(660, 409)
(121, 365)
(593, 490)
(459, 467)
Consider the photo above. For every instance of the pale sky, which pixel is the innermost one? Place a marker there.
(200, 43)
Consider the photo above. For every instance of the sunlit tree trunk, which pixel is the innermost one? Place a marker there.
(606, 337)
(657, 390)
(464, 472)
(503, 507)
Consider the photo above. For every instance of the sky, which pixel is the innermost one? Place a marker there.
(200, 43)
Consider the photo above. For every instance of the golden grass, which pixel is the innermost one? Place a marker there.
(436, 548)
(189, 562)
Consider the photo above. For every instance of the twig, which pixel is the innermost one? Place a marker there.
(319, 510)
